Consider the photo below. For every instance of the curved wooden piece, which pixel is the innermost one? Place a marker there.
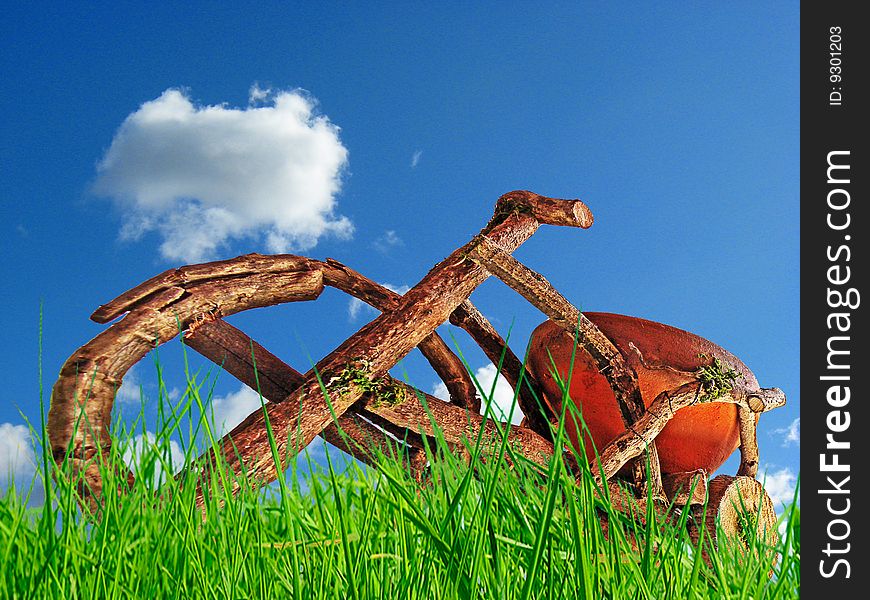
(82, 397)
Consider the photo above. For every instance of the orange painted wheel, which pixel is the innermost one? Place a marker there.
(664, 357)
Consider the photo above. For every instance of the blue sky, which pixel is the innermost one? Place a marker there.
(677, 125)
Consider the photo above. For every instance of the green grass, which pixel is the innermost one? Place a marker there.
(479, 530)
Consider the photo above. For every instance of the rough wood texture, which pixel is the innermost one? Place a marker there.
(748, 419)
(446, 364)
(622, 378)
(349, 398)
(546, 211)
(375, 348)
(190, 275)
(178, 299)
(220, 342)
(634, 440)
(420, 413)
(82, 397)
(744, 512)
(686, 488)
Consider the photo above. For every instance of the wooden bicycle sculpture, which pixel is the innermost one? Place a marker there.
(664, 407)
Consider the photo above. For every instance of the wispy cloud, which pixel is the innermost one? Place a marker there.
(202, 176)
(790, 434)
(388, 240)
(257, 94)
(779, 485)
(415, 158)
(356, 307)
(502, 395)
(230, 410)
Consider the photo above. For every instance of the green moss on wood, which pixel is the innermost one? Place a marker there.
(384, 390)
(717, 379)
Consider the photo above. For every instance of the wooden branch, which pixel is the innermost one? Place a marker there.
(458, 426)
(610, 361)
(546, 211)
(175, 300)
(184, 277)
(748, 421)
(367, 443)
(408, 436)
(445, 363)
(235, 352)
(540, 414)
(632, 442)
(157, 310)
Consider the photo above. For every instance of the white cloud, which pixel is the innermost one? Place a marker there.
(232, 409)
(17, 460)
(202, 176)
(779, 485)
(130, 391)
(791, 434)
(415, 159)
(388, 240)
(502, 396)
(355, 306)
(139, 450)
